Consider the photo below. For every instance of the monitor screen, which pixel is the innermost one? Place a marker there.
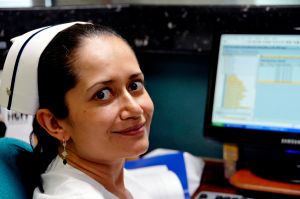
(254, 101)
(254, 93)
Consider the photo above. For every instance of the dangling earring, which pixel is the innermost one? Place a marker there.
(64, 153)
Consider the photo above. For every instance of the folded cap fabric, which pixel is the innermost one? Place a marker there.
(19, 89)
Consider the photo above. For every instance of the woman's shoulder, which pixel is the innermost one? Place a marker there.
(150, 183)
(64, 181)
(71, 189)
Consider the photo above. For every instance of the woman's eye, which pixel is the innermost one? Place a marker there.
(103, 94)
(136, 85)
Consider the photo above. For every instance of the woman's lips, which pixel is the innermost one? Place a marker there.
(133, 130)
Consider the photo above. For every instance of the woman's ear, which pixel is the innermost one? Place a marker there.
(47, 120)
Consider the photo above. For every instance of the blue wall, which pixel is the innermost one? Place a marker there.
(178, 86)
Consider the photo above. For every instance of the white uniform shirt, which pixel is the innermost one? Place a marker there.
(64, 181)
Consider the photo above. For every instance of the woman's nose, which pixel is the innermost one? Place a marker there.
(130, 108)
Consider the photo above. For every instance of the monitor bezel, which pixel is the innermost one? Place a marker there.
(236, 135)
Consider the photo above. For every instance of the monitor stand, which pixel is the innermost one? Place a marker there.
(275, 163)
(262, 168)
(282, 170)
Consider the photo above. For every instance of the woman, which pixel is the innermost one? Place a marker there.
(90, 105)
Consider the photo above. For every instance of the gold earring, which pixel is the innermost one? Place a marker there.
(64, 153)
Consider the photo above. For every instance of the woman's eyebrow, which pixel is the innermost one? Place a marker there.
(136, 75)
(106, 82)
(109, 82)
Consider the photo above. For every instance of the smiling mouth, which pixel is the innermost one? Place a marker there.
(134, 130)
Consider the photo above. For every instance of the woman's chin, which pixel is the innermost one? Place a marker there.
(138, 150)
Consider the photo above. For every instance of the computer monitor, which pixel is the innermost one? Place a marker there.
(254, 100)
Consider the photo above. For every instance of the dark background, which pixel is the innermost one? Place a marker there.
(173, 45)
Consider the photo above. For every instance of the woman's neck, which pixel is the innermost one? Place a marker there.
(109, 174)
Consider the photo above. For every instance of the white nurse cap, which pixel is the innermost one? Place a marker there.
(19, 89)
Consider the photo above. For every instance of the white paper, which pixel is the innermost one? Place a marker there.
(194, 166)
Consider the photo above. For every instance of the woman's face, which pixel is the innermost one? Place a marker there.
(110, 111)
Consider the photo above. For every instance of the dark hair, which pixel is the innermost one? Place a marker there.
(55, 78)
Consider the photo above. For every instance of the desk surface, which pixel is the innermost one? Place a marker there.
(213, 180)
